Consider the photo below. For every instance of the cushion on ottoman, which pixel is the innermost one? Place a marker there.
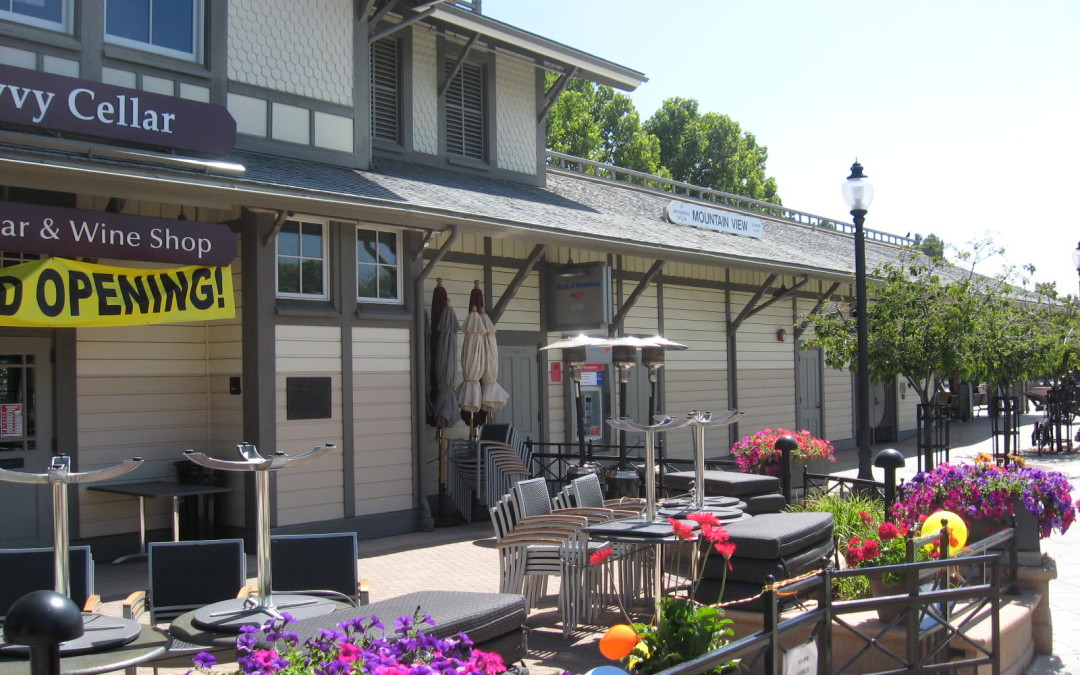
(725, 483)
(754, 570)
(775, 535)
(758, 504)
(481, 616)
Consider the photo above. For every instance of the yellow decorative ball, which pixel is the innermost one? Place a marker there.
(958, 531)
(618, 642)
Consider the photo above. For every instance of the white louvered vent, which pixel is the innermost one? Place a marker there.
(386, 90)
(465, 124)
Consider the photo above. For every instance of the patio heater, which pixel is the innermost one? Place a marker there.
(652, 357)
(100, 632)
(574, 355)
(625, 481)
(236, 613)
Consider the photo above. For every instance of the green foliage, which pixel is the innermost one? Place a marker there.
(686, 630)
(707, 149)
(933, 247)
(848, 522)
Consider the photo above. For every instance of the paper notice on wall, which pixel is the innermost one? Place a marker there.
(11, 420)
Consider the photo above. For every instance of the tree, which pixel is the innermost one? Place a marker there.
(711, 150)
(595, 122)
(932, 246)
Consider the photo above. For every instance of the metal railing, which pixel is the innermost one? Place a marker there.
(569, 164)
(936, 618)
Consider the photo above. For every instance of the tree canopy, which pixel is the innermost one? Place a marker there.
(679, 142)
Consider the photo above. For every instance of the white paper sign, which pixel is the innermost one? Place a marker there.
(801, 660)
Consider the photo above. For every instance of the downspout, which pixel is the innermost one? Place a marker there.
(420, 379)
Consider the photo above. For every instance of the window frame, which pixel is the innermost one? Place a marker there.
(398, 298)
(65, 24)
(324, 227)
(198, 37)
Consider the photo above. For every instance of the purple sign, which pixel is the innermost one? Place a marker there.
(72, 233)
(46, 101)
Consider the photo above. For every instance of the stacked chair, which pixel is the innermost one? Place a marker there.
(538, 539)
(481, 471)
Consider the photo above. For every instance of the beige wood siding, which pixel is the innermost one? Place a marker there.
(838, 403)
(313, 491)
(766, 368)
(382, 420)
(142, 391)
(695, 379)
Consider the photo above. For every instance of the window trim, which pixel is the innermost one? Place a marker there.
(66, 24)
(398, 235)
(198, 53)
(324, 224)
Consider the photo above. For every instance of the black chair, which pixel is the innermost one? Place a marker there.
(317, 564)
(23, 570)
(184, 576)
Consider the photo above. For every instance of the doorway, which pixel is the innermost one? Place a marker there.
(26, 438)
(808, 391)
(519, 374)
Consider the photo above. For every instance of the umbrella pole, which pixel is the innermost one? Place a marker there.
(441, 436)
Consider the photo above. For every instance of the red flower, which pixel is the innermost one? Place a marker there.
(683, 530)
(600, 555)
(867, 518)
(715, 534)
(704, 518)
(888, 531)
(725, 548)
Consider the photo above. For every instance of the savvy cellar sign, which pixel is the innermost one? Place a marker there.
(46, 101)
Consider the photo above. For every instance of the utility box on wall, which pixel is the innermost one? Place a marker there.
(307, 398)
(578, 297)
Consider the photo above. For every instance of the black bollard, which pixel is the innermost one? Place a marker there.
(889, 459)
(786, 445)
(42, 620)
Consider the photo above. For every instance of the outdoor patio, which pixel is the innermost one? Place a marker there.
(464, 558)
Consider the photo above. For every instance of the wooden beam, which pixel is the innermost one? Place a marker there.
(457, 66)
(801, 328)
(748, 310)
(424, 273)
(515, 285)
(552, 95)
(616, 324)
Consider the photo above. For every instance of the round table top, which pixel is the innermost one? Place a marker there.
(150, 644)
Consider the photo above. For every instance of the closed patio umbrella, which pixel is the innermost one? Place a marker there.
(472, 359)
(443, 403)
(492, 396)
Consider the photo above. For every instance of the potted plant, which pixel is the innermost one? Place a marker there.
(888, 547)
(986, 496)
(757, 453)
(350, 648)
(684, 627)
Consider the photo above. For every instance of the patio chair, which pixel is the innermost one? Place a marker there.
(318, 564)
(586, 491)
(184, 576)
(529, 548)
(23, 570)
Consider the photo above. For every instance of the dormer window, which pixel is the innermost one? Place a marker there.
(466, 124)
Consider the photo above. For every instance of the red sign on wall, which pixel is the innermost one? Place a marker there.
(11, 420)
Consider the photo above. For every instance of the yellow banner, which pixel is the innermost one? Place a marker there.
(56, 292)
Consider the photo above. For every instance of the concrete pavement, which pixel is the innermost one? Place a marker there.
(464, 558)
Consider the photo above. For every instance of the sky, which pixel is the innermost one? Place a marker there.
(964, 114)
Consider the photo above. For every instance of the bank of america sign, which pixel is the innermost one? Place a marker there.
(714, 219)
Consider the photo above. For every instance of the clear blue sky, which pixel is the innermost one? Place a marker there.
(964, 113)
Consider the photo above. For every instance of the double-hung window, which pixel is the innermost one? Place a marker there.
(302, 259)
(169, 27)
(51, 14)
(466, 126)
(386, 90)
(378, 271)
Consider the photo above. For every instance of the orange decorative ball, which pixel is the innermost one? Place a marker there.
(618, 642)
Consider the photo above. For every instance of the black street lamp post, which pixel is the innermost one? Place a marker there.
(858, 193)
